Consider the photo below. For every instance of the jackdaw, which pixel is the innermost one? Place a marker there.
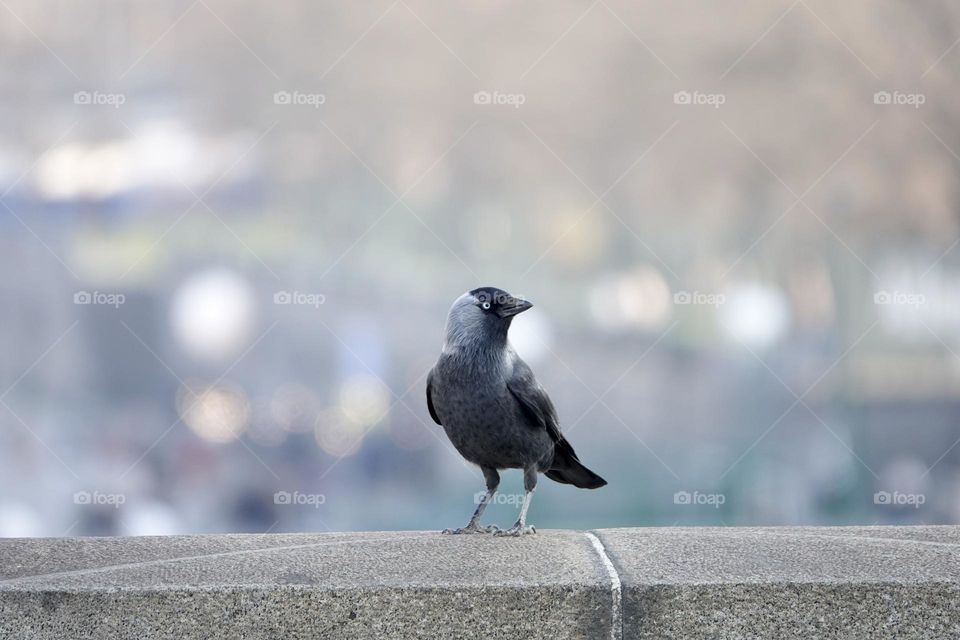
(493, 409)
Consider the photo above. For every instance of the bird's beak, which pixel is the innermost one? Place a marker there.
(513, 307)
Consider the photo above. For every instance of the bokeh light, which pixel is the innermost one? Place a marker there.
(338, 435)
(636, 300)
(213, 313)
(363, 400)
(217, 414)
(755, 314)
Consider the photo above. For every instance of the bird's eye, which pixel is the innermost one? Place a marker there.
(485, 305)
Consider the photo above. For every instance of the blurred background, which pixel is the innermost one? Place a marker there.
(230, 233)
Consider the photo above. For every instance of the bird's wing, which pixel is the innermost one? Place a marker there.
(540, 411)
(534, 400)
(433, 412)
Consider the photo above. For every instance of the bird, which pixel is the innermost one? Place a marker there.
(493, 410)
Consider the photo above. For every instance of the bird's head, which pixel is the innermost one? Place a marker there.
(481, 317)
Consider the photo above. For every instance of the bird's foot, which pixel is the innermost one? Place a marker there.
(473, 528)
(517, 530)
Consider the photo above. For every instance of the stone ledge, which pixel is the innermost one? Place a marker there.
(797, 582)
(674, 583)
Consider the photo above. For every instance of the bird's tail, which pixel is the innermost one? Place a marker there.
(567, 469)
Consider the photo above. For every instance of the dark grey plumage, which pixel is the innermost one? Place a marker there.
(493, 409)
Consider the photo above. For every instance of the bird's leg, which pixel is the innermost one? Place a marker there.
(493, 481)
(521, 527)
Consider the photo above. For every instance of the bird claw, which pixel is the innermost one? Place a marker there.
(473, 528)
(517, 530)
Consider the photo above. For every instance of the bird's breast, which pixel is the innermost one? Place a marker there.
(483, 421)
